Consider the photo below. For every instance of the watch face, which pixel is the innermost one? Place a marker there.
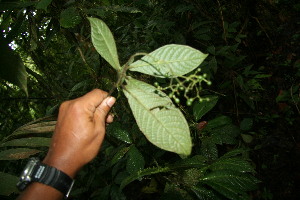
(25, 177)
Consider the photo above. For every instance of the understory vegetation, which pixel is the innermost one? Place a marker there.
(243, 119)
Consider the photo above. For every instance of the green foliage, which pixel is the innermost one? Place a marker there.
(157, 117)
(252, 64)
(169, 61)
(204, 106)
(11, 66)
(104, 42)
(69, 17)
(17, 153)
(8, 184)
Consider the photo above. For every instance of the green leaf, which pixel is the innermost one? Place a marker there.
(11, 66)
(262, 76)
(234, 164)
(141, 173)
(104, 42)
(43, 4)
(13, 5)
(17, 153)
(169, 61)
(234, 152)
(28, 142)
(161, 122)
(231, 184)
(226, 134)
(247, 138)
(204, 193)
(201, 108)
(34, 128)
(119, 155)
(116, 130)
(135, 162)
(196, 161)
(246, 124)
(209, 149)
(219, 121)
(8, 184)
(69, 17)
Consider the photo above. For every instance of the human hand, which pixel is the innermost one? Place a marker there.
(79, 131)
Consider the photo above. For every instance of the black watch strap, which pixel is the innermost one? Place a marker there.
(53, 177)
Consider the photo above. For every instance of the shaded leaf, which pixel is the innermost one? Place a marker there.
(246, 124)
(11, 66)
(116, 193)
(204, 194)
(17, 153)
(201, 108)
(169, 61)
(226, 134)
(69, 17)
(231, 184)
(141, 173)
(209, 149)
(219, 121)
(8, 184)
(136, 160)
(234, 164)
(233, 153)
(12, 5)
(37, 128)
(104, 42)
(161, 122)
(196, 161)
(28, 142)
(116, 130)
(119, 155)
(247, 138)
(43, 4)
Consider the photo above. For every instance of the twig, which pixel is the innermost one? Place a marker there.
(235, 99)
(291, 90)
(223, 22)
(264, 30)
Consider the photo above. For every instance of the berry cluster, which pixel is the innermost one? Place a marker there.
(188, 86)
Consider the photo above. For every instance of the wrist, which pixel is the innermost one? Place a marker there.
(64, 165)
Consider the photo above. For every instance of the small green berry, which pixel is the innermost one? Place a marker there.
(177, 100)
(156, 84)
(171, 95)
(208, 82)
(189, 102)
(199, 70)
(181, 88)
(204, 75)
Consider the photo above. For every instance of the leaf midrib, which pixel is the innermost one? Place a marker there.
(108, 46)
(152, 114)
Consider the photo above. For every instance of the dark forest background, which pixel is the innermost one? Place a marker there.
(46, 57)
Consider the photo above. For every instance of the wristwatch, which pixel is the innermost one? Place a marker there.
(35, 171)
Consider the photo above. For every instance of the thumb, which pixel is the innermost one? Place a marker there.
(103, 109)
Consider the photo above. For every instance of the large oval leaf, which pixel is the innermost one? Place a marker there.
(28, 142)
(169, 61)
(104, 42)
(157, 117)
(17, 153)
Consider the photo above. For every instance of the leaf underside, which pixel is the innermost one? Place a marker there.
(104, 42)
(169, 61)
(161, 122)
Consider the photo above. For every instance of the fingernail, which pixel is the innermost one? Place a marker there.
(111, 101)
